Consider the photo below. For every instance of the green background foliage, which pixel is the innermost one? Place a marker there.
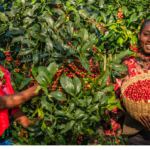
(37, 33)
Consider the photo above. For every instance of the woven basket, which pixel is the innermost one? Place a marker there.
(136, 109)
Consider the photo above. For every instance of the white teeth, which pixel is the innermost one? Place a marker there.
(148, 46)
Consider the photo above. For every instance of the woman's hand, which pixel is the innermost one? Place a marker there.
(145, 121)
(53, 87)
(37, 119)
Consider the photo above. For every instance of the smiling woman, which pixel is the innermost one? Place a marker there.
(144, 37)
(139, 131)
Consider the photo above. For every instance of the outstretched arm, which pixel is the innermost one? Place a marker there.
(10, 101)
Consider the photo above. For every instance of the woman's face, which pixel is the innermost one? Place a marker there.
(145, 38)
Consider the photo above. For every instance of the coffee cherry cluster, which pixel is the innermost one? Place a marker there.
(94, 48)
(139, 91)
(8, 57)
(58, 6)
(75, 68)
(79, 139)
(134, 47)
(120, 14)
(23, 133)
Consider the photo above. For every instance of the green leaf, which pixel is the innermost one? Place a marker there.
(34, 71)
(111, 107)
(49, 44)
(52, 70)
(60, 113)
(85, 63)
(69, 116)
(25, 51)
(82, 102)
(121, 68)
(104, 99)
(55, 54)
(111, 19)
(98, 96)
(45, 91)
(125, 10)
(2, 29)
(29, 42)
(36, 54)
(112, 100)
(41, 80)
(119, 105)
(3, 17)
(27, 21)
(83, 33)
(15, 31)
(101, 3)
(18, 78)
(37, 89)
(88, 45)
(25, 82)
(95, 118)
(17, 39)
(37, 36)
(78, 112)
(57, 10)
(26, 60)
(61, 126)
(103, 16)
(103, 79)
(59, 21)
(59, 45)
(89, 2)
(90, 131)
(49, 20)
(33, 1)
(68, 127)
(67, 84)
(47, 106)
(43, 72)
(89, 100)
(31, 128)
(77, 20)
(71, 107)
(58, 95)
(94, 108)
(134, 17)
(122, 54)
(120, 40)
(107, 34)
(77, 84)
(81, 115)
(14, 10)
(108, 88)
(70, 28)
(43, 127)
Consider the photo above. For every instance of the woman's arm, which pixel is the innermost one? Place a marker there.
(10, 101)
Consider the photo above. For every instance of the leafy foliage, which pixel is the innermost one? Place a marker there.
(42, 36)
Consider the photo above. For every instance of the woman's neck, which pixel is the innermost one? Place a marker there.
(145, 54)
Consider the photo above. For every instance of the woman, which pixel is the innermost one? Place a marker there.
(9, 106)
(138, 132)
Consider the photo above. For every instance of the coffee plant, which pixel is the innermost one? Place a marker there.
(52, 42)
